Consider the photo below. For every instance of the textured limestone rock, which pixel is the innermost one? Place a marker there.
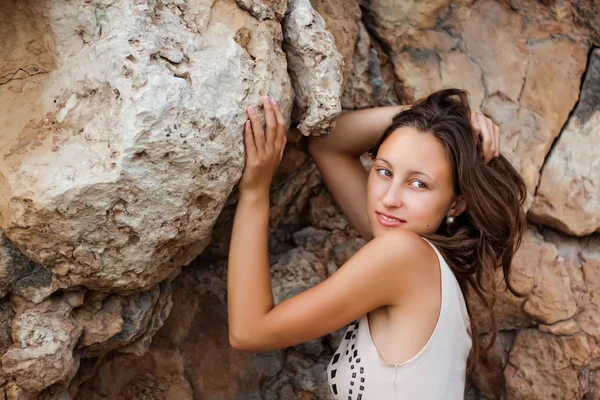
(20, 275)
(341, 20)
(488, 378)
(540, 366)
(100, 320)
(137, 313)
(567, 196)
(371, 79)
(521, 60)
(190, 356)
(521, 65)
(44, 337)
(296, 271)
(161, 311)
(122, 130)
(264, 9)
(315, 66)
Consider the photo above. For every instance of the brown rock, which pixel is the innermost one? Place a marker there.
(192, 347)
(393, 19)
(102, 324)
(14, 392)
(136, 315)
(568, 196)
(289, 197)
(6, 315)
(489, 377)
(493, 40)
(295, 272)
(324, 214)
(551, 300)
(42, 352)
(371, 79)
(540, 366)
(160, 313)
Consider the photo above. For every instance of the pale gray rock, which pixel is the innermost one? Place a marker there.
(568, 195)
(316, 69)
(44, 337)
(264, 9)
(122, 130)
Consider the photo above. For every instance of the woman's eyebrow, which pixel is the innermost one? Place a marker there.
(410, 172)
(383, 159)
(414, 172)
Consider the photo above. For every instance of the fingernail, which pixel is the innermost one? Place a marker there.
(266, 99)
(273, 102)
(251, 110)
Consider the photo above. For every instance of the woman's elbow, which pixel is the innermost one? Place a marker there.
(237, 342)
(249, 343)
(241, 343)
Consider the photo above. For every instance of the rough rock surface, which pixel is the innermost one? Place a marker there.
(341, 18)
(567, 196)
(264, 9)
(513, 61)
(118, 149)
(371, 80)
(20, 275)
(44, 337)
(315, 67)
(95, 282)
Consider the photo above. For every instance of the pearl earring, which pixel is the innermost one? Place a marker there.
(449, 220)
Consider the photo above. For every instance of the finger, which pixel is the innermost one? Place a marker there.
(280, 120)
(257, 131)
(251, 153)
(475, 124)
(271, 122)
(492, 130)
(498, 138)
(486, 138)
(284, 141)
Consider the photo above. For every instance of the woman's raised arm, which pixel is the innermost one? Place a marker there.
(338, 158)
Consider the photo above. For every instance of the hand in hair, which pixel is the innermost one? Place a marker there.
(489, 133)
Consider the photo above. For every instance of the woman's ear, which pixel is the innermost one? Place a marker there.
(459, 205)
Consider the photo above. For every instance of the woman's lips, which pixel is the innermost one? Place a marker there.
(388, 220)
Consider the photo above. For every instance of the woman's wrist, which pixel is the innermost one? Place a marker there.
(254, 195)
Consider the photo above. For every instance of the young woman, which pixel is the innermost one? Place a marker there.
(441, 209)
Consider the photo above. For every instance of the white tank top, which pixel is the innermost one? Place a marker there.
(357, 371)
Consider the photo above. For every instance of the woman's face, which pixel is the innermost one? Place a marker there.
(410, 184)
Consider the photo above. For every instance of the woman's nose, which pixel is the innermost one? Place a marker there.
(393, 197)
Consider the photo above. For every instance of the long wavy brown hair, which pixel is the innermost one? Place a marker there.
(488, 233)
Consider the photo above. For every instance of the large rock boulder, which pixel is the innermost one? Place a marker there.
(567, 196)
(122, 130)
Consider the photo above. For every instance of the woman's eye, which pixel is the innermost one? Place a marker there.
(418, 185)
(384, 172)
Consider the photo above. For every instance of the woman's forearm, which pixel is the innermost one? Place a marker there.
(249, 294)
(355, 132)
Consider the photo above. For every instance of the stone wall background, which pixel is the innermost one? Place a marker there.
(120, 152)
